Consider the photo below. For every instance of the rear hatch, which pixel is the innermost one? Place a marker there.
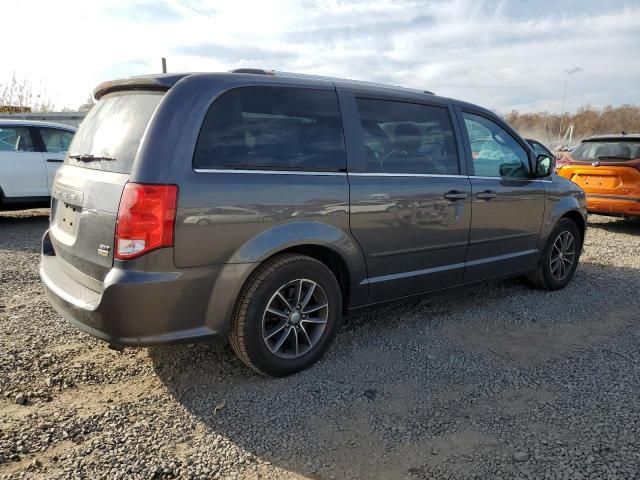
(605, 166)
(88, 187)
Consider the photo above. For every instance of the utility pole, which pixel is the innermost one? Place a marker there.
(568, 72)
(164, 67)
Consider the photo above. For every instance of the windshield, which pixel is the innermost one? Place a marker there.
(112, 131)
(616, 150)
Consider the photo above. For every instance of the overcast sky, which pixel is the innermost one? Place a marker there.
(503, 55)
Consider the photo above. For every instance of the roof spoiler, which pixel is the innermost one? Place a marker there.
(143, 82)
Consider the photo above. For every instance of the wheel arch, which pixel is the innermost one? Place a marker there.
(577, 218)
(332, 260)
(569, 206)
(326, 243)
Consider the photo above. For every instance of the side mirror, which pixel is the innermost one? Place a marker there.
(544, 165)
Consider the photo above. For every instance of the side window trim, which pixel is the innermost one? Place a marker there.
(353, 136)
(355, 140)
(459, 136)
(527, 148)
(466, 155)
(38, 141)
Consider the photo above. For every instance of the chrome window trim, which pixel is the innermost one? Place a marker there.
(437, 175)
(511, 179)
(268, 172)
(382, 174)
(358, 174)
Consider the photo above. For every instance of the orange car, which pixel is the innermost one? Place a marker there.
(607, 167)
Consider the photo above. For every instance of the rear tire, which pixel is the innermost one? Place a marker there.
(559, 258)
(280, 325)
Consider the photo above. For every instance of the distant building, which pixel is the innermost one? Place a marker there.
(68, 118)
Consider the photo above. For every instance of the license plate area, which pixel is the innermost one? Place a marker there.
(68, 216)
(66, 211)
(598, 181)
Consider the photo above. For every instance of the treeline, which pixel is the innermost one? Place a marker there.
(586, 121)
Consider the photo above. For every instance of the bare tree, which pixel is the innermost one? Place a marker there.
(21, 94)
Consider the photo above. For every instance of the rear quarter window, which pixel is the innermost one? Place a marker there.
(273, 128)
(113, 128)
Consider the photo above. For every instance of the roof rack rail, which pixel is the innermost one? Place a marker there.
(261, 71)
(257, 71)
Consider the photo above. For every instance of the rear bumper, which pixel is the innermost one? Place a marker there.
(613, 205)
(139, 308)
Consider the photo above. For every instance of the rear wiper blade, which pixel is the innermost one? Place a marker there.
(87, 157)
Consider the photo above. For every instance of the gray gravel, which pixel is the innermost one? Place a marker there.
(497, 381)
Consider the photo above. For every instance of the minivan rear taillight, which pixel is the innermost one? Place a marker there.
(146, 219)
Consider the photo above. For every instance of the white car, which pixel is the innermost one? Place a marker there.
(30, 154)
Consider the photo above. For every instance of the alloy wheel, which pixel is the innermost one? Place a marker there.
(295, 318)
(563, 255)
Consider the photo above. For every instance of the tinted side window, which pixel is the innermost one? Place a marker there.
(407, 138)
(494, 151)
(272, 128)
(56, 141)
(15, 139)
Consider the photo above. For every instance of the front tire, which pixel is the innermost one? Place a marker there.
(286, 316)
(560, 257)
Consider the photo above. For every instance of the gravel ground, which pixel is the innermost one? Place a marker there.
(497, 381)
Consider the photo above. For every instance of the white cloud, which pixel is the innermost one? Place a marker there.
(500, 54)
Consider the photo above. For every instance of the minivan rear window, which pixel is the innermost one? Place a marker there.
(113, 129)
(273, 128)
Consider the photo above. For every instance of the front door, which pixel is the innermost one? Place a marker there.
(507, 201)
(410, 200)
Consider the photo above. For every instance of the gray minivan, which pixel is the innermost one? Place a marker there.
(263, 206)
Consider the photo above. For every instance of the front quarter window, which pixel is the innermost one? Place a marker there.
(540, 149)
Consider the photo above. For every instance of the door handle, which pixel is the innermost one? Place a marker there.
(54, 160)
(486, 195)
(454, 195)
